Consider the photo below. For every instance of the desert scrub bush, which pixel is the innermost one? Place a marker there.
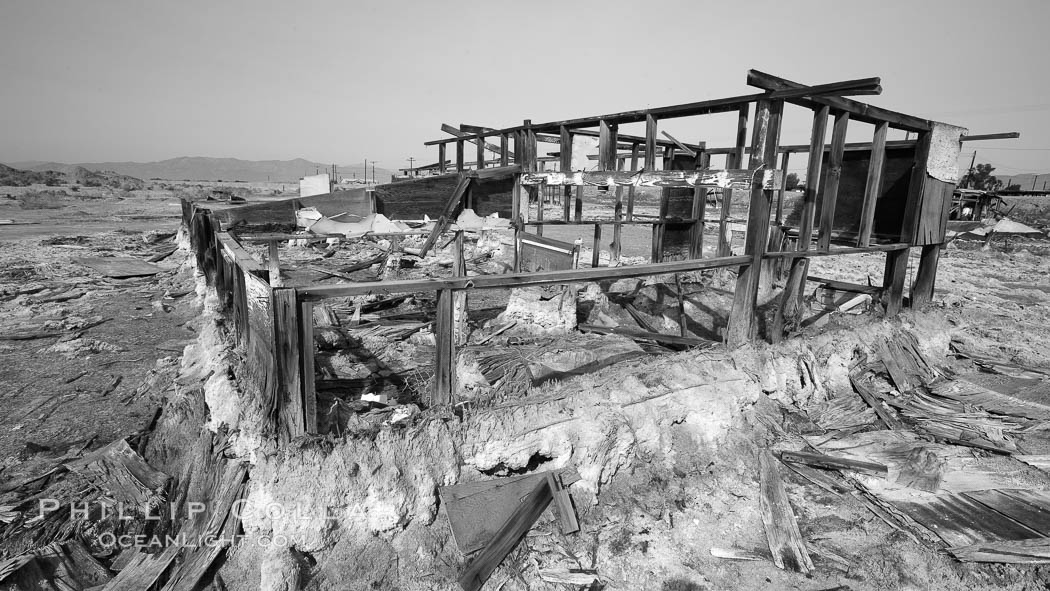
(43, 200)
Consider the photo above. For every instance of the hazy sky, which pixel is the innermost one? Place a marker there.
(342, 81)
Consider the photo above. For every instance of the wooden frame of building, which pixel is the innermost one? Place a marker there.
(275, 323)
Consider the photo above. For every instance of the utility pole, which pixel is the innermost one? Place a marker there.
(411, 166)
(374, 171)
(1033, 182)
(969, 175)
(366, 171)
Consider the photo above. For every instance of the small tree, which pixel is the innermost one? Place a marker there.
(791, 182)
(980, 177)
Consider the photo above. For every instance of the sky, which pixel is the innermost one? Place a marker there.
(342, 81)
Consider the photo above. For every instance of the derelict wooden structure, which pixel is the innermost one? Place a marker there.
(900, 201)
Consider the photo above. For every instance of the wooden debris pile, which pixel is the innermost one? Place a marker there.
(935, 456)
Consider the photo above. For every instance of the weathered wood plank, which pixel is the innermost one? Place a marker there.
(289, 392)
(444, 358)
(858, 111)
(782, 533)
(505, 540)
(874, 184)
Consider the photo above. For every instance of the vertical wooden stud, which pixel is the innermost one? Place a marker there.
(874, 184)
(829, 190)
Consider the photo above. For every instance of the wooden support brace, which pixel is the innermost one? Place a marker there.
(459, 156)
(441, 159)
(630, 190)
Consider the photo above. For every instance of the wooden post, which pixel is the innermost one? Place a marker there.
(922, 289)
(630, 190)
(794, 287)
(445, 356)
(830, 188)
(607, 133)
(699, 213)
(897, 261)
(763, 153)
(441, 158)
(874, 183)
(481, 153)
(273, 264)
(459, 156)
(306, 340)
(459, 315)
(578, 210)
(683, 328)
(504, 149)
(614, 253)
(783, 187)
(597, 244)
(287, 354)
(566, 167)
(733, 160)
(650, 143)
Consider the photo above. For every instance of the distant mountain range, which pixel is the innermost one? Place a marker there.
(199, 168)
(1026, 180)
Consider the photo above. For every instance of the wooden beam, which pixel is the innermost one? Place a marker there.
(319, 292)
(645, 335)
(680, 145)
(1010, 135)
(711, 177)
(873, 187)
(441, 159)
(504, 149)
(829, 189)
(597, 244)
(446, 213)
(459, 156)
(474, 139)
(858, 111)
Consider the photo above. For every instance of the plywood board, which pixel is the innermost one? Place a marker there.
(119, 267)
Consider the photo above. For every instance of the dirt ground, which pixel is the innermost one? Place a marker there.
(89, 359)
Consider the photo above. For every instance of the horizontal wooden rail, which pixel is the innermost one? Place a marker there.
(709, 107)
(709, 177)
(858, 111)
(791, 254)
(509, 280)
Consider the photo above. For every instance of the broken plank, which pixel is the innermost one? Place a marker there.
(566, 513)
(1030, 551)
(832, 463)
(1033, 510)
(782, 534)
(507, 538)
(647, 336)
(119, 267)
